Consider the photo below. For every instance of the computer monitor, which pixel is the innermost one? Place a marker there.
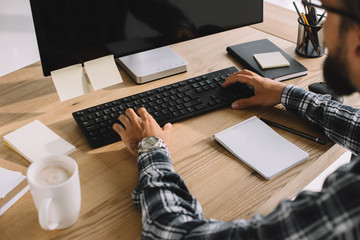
(75, 31)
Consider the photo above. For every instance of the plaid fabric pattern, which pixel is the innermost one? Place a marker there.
(169, 211)
(340, 123)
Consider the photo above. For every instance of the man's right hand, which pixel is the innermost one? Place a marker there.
(267, 92)
(138, 126)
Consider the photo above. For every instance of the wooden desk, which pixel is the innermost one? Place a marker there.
(226, 188)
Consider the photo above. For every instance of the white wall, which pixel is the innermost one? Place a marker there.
(18, 47)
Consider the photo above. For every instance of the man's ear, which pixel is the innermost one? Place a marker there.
(358, 50)
(354, 57)
(358, 42)
(354, 50)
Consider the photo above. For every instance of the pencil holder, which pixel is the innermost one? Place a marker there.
(310, 40)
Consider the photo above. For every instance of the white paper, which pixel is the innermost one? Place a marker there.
(260, 147)
(70, 82)
(35, 140)
(9, 180)
(103, 72)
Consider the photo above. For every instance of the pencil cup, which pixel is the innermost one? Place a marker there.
(310, 40)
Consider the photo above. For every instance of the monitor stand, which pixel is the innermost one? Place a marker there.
(153, 64)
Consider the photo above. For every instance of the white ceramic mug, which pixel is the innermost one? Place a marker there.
(55, 188)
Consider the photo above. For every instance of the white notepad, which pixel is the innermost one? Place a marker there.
(260, 147)
(35, 140)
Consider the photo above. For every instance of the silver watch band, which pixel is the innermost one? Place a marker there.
(150, 143)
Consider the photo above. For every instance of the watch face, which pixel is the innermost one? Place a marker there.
(149, 142)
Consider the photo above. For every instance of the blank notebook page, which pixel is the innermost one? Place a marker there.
(260, 147)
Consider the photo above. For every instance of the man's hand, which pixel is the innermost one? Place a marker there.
(138, 126)
(267, 92)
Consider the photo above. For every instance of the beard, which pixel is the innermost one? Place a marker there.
(336, 73)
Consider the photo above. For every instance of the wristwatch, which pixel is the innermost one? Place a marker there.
(150, 143)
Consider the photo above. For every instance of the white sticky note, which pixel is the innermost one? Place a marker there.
(271, 60)
(103, 72)
(35, 140)
(70, 82)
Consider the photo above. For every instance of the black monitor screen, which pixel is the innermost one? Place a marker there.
(74, 31)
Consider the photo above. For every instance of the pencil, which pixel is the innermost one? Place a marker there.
(312, 37)
(306, 21)
(298, 12)
(318, 140)
(321, 17)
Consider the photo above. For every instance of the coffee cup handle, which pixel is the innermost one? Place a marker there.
(44, 216)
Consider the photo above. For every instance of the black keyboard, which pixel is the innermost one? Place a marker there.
(170, 103)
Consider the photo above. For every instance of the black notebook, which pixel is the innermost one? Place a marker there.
(244, 54)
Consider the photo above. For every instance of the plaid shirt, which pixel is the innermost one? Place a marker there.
(169, 211)
(340, 123)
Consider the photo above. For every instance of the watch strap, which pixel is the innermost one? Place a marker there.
(158, 144)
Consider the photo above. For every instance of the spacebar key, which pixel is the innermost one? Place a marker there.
(193, 103)
(162, 120)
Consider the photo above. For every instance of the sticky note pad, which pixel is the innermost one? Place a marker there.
(271, 60)
(103, 72)
(35, 140)
(70, 82)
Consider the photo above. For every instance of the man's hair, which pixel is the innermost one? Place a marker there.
(353, 7)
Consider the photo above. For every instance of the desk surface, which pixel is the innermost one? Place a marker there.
(226, 188)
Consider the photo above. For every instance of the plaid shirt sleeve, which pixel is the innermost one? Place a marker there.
(169, 211)
(340, 123)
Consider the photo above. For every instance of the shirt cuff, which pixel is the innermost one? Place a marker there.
(285, 96)
(298, 100)
(156, 157)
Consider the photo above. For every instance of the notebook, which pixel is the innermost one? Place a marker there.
(260, 147)
(244, 54)
(35, 140)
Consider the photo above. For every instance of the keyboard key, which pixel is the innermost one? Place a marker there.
(92, 128)
(184, 89)
(192, 103)
(184, 111)
(201, 106)
(88, 123)
(191, 109)
(176, 114)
